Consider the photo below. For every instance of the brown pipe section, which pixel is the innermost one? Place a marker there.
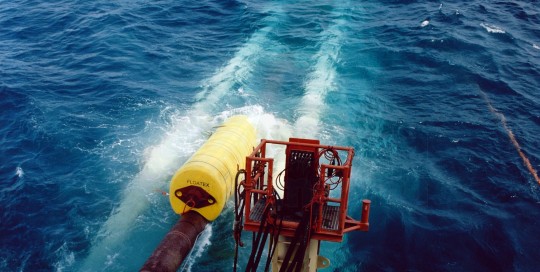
(177, 244)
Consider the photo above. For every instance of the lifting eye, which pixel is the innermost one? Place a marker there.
(195, 197)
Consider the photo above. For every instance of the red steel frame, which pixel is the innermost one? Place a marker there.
(259, 182)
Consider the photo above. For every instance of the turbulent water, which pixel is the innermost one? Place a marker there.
(101, 101)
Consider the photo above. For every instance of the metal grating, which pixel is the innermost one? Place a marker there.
(330, 215)
(257, 211)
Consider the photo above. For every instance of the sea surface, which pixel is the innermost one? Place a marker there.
(102, 101)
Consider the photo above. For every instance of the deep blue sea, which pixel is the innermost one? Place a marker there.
(102, 101)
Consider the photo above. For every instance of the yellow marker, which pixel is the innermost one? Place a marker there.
(205, 182)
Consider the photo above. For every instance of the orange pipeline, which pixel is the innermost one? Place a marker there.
(502, 118)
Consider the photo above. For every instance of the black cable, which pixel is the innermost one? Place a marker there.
(251, 266)
(261, 246)
(333, 158)
(237, 227)
(275, 238)
(286, 265)
(302, 245)
(301, 252)
(279, 183)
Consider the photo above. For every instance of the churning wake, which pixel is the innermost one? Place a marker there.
(182, 139)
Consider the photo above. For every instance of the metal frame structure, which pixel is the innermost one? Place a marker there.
(260, 190)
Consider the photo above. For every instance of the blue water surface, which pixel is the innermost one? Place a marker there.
(101, 101)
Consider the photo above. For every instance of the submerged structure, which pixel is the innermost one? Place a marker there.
(289, 214)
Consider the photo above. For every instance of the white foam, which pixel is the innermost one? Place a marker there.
(67, 258)
(184, 135)
(535, 46)
(492, 28)
(268, 126)
(201, 244)
(161, 161)
(319, 82)
(19, 172)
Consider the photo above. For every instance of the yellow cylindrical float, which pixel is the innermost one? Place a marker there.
(205, 182)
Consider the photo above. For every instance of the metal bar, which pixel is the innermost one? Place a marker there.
(365, 211)
(334, 200)
(247, 186)
(256, 191)
(269, 183)
(343, 148)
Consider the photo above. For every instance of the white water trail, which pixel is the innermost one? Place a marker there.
(239, 68)
(320, 82)
(185, 135)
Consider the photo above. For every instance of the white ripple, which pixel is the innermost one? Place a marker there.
(19, 172)
(492, 28)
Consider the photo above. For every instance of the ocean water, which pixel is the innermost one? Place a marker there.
(101, 101)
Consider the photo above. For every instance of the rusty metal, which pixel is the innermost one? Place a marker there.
(177, 244)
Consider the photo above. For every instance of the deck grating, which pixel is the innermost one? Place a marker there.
(330, 215)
